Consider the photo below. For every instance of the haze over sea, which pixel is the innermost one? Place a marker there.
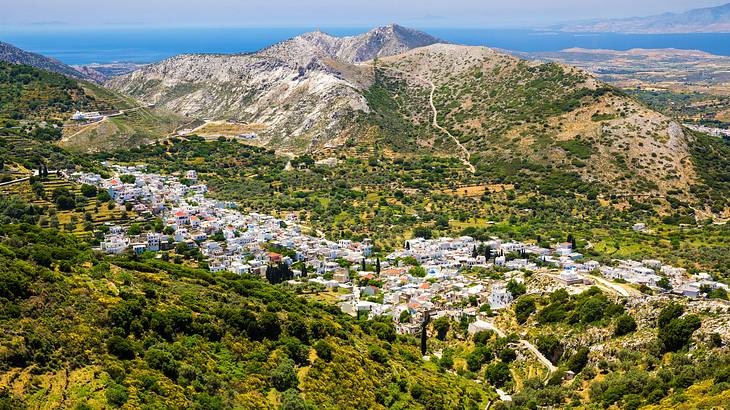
(145, 45)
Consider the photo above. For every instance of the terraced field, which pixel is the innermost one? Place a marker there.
(82, 220)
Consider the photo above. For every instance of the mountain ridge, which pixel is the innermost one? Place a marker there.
(302, 89)
(701, 20)
(502, 114)
(379, 42)
(14, 55)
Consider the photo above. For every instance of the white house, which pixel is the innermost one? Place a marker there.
(500, 297)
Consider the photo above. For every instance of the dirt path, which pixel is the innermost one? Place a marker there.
(466, 159)
(529, 346)
(84, 128)
(466, 155)
(621, 290)
(544, 360)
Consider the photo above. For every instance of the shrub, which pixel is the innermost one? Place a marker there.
(625, 324)
(284, 376)
(578, 361)
(508, 355)
(120, 347)
(672, 311)
(65, 202)
(324, 350)
(517, 289)
(163, 361)
(550, 346)
(88, 191)
(377, 354)
(482, 337)
(677, 334)
(497, 374)
(441, 326)
(291, 400)
(116, 394)
(524, 307)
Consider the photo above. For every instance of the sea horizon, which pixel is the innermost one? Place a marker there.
(76, 46)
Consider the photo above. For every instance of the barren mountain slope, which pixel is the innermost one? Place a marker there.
(299, 105)
(509, 117)
(303, 90)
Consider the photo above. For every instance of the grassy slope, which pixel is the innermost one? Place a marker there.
(134, 128)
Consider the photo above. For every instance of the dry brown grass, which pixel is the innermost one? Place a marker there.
(226, 129)
(479, 190)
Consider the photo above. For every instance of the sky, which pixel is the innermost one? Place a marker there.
(39, 14)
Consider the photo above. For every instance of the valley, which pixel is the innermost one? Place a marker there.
(383, 220)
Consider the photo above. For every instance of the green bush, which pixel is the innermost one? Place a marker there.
(497, 374)
(524, 307)
(120, 347)
(324, 350)
(284, 376)
(625, 324)
(116, 395)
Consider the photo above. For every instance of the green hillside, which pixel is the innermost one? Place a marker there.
(80, 329)
(546, 127)
(30, 93)
(84, 330)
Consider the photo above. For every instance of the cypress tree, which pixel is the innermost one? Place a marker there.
(424, 335)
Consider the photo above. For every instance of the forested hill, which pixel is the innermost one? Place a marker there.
(80, 330)
(27, 92)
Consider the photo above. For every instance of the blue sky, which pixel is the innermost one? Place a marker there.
(242, 13)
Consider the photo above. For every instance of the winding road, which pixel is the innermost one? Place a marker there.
(466, 155)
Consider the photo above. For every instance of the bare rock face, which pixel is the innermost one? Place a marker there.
(305, 90)
(380, 42)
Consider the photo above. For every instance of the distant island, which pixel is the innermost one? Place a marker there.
(703, 20)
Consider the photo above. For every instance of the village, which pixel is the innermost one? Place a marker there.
(458, 277)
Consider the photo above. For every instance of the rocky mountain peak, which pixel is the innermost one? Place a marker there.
(379, 42)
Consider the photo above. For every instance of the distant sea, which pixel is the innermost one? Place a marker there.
(146, 45)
